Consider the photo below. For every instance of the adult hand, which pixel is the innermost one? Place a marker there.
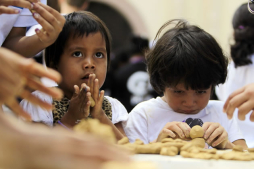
(215, 135)
(20, 3)
(21, 142)
(19, 76)
(51, 21)
(175, 129)
(243, 99)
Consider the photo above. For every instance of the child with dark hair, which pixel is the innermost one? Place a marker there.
(81, 54)
(240, 70)
(184, 66)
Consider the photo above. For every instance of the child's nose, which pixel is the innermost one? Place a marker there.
(189, 101)
(88, 64)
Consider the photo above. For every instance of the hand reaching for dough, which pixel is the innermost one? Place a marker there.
(243, 99)
(174, 130)
(215, 135)
(79, 107)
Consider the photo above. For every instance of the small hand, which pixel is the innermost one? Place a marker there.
(243, 99)
(176, 129)
(97, 95)
(4, 9)
(79, 107)
(52, 23)
(215, 134)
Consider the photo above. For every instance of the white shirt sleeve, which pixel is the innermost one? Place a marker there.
(136, 126)
(37, 113)
(119, 112)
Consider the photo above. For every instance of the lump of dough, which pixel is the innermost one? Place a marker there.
(197, 132)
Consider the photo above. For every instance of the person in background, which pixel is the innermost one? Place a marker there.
(240, 70)
(131, 81)
(177, 66)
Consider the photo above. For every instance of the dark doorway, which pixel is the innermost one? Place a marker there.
(119, 27)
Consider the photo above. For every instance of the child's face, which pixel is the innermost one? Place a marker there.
(81, 57)
(186, 101)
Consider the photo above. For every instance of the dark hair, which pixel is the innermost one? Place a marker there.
(185, 54)
(243, 24)
(78, 24)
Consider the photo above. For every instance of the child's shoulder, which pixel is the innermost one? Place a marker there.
(215, 106)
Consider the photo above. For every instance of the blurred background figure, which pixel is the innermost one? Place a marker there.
(241, 68)
(129, 81)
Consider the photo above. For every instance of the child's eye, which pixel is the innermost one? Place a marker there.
(178, 91)
(99, 55)
(201, 92)
(77, 54)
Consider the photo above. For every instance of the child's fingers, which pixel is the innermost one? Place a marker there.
(220, 139)
(15, 107)
(169, 132)
(234, 103)
(37, 85)
(96, 89)
(177, 130)
(216, 132)
(101, 98)
(19, 3)
(185, 128)
(244, 109)
(212, 127)
(30, 67)
(76, 91)
(35, 100)
(6, 10)
(91, 83)
(231, 97)
(56, 14)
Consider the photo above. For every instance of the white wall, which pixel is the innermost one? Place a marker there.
(214, 16)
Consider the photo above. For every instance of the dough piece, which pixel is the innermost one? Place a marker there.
(199, 142)
(138, 142)
(148, 148)
(251, 150)
(94, 126)
(169, 151)
(187, 146)
(165, 140)
(123, 141)
(197, 132)
(129, 165)
(173, 144)
(238, 148)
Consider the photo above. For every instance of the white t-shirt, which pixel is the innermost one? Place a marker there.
(237, 78)
(23, 19)
(148, 118)
(119, 113)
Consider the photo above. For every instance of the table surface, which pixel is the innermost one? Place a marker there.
(179, 162)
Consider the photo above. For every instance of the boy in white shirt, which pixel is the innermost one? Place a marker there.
(185, 65)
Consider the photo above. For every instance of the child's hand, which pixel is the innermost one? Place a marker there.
(20, 3)
(215, 134)
(96, 111)
(176, 129)
(51, 21)
(79, 107)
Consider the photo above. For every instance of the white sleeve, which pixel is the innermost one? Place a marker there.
(7, 22)
(119, 112)
(136, 125)
(37, 113)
